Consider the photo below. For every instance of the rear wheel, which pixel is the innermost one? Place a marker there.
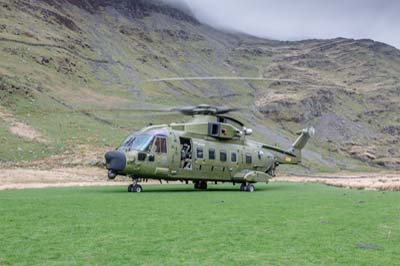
(137, 188)
(203, 185)
(250, 188)
(200, 185)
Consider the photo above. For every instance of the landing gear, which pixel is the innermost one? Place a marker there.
(200, 185)
(250, 188)
(247, 187)
(135, 187)
(111, 174)
(271, 171)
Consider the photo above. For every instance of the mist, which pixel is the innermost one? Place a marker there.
(302, 19)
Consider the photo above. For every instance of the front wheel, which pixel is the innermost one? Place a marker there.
(111, 174)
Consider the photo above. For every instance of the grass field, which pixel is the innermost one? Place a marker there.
(280, 224)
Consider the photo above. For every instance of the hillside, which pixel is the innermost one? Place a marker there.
(75, 78)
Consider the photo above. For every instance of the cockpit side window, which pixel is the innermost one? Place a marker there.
(160, 145)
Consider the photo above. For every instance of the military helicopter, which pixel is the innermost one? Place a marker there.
(212, 147)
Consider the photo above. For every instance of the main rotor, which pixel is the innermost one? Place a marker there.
(204, 109)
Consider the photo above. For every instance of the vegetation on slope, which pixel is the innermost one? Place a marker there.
(78, 72)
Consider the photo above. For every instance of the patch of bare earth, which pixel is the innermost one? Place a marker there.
(20, 178)
(77, 156)
(368, 181)
(21, 129)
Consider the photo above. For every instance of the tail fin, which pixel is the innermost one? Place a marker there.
(301, 141)
(293, 154)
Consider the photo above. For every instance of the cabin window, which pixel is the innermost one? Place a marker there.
(248, 158)
(214, 129)
(200, 153)
(211, 154)
(160, 145)
(233, 157)
(222, 156)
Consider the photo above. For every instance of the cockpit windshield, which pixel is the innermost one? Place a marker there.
(137, 142)
(141, 141)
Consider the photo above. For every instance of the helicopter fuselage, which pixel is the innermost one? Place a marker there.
(209, 148)
(186, 157)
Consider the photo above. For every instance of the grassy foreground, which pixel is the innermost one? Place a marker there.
(279, 224)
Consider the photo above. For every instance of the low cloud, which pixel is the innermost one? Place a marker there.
(302, 19)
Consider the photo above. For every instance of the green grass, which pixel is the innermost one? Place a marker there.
(280, 224)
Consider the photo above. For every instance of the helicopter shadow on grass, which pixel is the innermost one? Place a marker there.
(188, 189)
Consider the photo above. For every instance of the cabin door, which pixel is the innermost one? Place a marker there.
(186, 149)
(159, 156)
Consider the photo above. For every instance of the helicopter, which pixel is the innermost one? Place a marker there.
(212, 147)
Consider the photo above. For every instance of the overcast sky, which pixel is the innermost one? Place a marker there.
(302, 19)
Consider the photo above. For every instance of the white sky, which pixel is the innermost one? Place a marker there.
(302, 19)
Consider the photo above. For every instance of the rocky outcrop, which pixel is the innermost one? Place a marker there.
(134, 8)
(311, 106)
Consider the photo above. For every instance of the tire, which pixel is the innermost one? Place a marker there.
(203, 185)
(250, 188)
(130, 188)
(111, 174)
(137, 188)
(242, 187)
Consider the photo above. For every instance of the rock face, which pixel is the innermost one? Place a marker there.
(138, 9)
(87, 56)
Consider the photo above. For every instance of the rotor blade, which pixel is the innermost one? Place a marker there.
(225, 110)
(221, 78)
(94, 110)
(186, 110)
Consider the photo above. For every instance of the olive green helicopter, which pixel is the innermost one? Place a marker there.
(212, 147)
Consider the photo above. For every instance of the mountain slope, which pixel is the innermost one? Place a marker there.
(74, 70)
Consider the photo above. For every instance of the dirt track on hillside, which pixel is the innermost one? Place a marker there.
(21, 178)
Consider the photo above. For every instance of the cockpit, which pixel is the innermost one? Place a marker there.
(143, 141)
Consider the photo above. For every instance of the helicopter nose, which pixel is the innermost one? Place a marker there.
(115, 161)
